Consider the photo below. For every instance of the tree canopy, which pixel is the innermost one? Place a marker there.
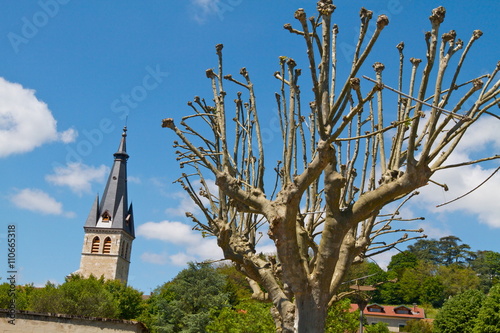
(459, 312)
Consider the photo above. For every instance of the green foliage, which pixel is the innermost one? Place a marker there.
(432, 291)
(86, 297)
(189, 301)
(459, 312)
(377, 328)
(445, 251)
(418, 326)
(488, 318)
(457, 279)
(90, 297)
(415, 280)
(487, 266)
(401, 261)
(22, 296)
(237, 284)
(128, 300)
(431, 271)
(47, 299)
(389, 293)
(247, 317)
(426, 250)
(340, 320)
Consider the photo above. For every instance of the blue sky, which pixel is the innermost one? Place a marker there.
(73, 71)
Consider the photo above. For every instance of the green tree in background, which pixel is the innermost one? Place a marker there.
(451, 252)
(458, 313)
(487, 266)
(47, 299)
(445, 251)
(340, 320)
(426, 250)
(457, 279)
(85, 297)
(377, 328)
(23, 296)
(248, 316)
(128, 300)
(189, 301)
(418, 326)
(488, 318)
(90, 297)
(432, 292)
(401, 261)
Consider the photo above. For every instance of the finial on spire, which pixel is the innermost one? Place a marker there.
(124, 131)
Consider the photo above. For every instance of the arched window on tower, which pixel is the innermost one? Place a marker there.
(95, 245)
(107, 245)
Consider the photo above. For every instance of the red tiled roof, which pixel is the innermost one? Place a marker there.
(388, 311)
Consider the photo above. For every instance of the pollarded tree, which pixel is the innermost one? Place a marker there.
(338, 167)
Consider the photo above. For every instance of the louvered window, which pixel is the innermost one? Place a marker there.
(95, 245)
(106, 217)
(107, 245)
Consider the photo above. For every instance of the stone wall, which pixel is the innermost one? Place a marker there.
(31, 322)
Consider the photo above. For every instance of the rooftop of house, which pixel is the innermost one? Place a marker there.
(399, 311)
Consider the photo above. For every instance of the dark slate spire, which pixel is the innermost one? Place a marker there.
(114, 203)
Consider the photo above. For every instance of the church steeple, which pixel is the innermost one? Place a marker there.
(109, 229)
(113, 210)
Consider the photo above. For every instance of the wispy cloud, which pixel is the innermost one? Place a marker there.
(77, 176)
(185, 203)
(177, 233)
(155, 258)
(26, 122)
(203, 10)
(38, 201)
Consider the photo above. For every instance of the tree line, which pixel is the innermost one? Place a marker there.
(443, 276)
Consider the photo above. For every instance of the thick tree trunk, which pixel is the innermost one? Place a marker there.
(310, 317)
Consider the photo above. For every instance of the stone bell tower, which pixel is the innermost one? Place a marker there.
(109, 230)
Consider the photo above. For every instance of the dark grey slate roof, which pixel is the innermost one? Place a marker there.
(115, 198)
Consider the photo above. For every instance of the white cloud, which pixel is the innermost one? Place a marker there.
(194, 246)
(483, 202)
(154, 258)
(36, 200)
(135, 180)
(202, 9)
(172, 232)
(481, 133)
(26, 122)
(77, 176)
(68, 136)
(181, 259)
(482, 140)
